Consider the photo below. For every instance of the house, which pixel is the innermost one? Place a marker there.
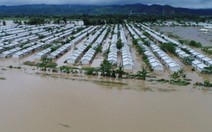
(200, 67)
(195, 63)
(173, 67)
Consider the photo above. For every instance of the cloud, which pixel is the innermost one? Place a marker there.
(176, 3)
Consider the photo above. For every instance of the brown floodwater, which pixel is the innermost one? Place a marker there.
(35, 103)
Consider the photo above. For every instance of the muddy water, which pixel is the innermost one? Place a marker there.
(189, 33)
(34, 103)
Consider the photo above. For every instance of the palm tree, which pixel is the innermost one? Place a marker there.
(120, 71)
(182, 73)
(143, 73)
(175, 76)
(206, 83)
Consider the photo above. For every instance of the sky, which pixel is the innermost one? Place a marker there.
(176, 3)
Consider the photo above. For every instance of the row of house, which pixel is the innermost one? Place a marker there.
(127, 61)
(9, 53)
(80, 50)
(90, 54)
(42, 53)
(28, 50)
(153, 61)
(200, 62)
(112, 56)
(166, 60)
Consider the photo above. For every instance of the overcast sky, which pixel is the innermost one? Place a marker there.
(176, 3)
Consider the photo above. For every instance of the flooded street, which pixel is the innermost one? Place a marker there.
(34, 103)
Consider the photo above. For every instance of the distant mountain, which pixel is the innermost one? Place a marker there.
(94, 9)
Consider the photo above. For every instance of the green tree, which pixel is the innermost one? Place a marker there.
(182, 73)
(168, 47)
(207, 83)
(98, 49)
(106, 68)
(46, 63)
(188, 60)
(143, 73)
(119, 44)
(195, 44)
(113, 74)
(4, 23)
(175, 76)
(120, 71)
(91, 71)
(36, 21)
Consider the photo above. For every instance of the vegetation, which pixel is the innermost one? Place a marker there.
(134, 41)
(191, 43)
(106, 68)
(99, 49)
(4, 23)
(36, 21)
(195, 44)
(29, 63)
(119, 44)
(120, 71)
(178, 78)
(46, 63)
(65, 69)
(90, 71)
(188, 60)
(207, 50)
(2, 78)
(168, 47)
(141, 51)
(185, 50)
(207, 70)
(206, 83)
(143, 73)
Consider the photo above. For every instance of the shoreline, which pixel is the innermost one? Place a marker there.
(150, 84)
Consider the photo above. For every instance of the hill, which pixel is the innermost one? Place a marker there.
(108, 9)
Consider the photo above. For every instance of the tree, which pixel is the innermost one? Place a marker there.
(120, 71)
(64, 20)
(195, 44)
(106, 68)
(175, 76)
(207, 70)
(113, 74)
(4, 23)
(182, 73)
(65, 69)
(168, 47)
(207, 83)
(135, 41)
(46, 63)
(98, 49)
(90, 71)
(119, 44)
(188, 60)
(143, 73)
(36, 21)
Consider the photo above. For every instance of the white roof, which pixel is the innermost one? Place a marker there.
(195, 62)
(201, 66)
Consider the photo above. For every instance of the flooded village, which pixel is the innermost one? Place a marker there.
(128, 77)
